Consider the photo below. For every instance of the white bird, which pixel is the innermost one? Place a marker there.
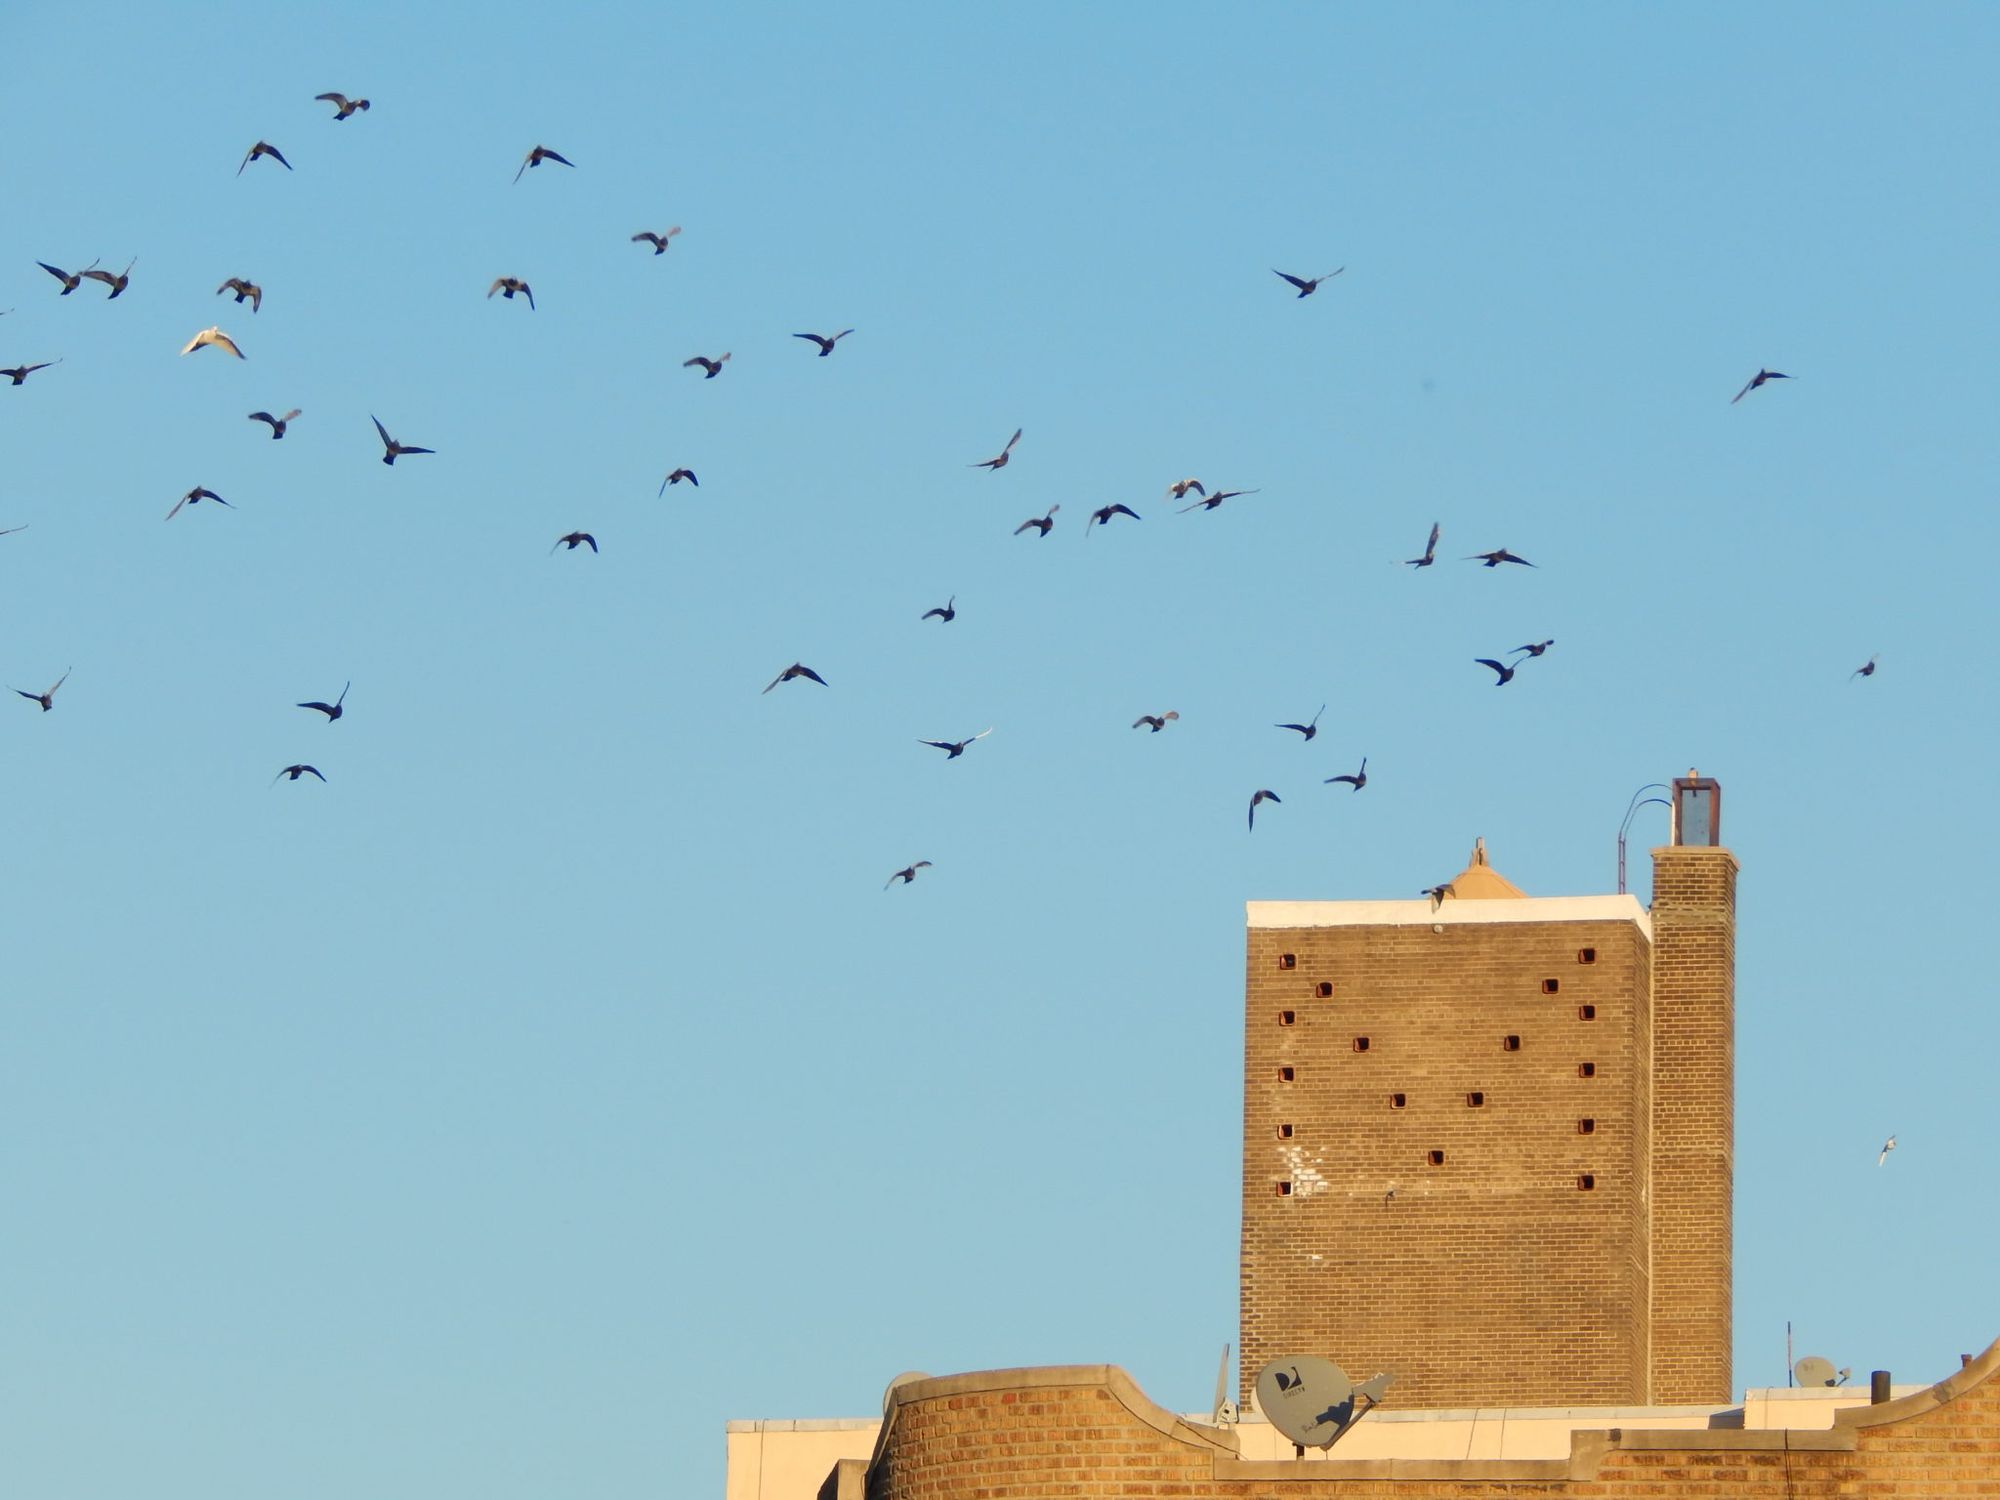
(1887, 1146)
(215, 336)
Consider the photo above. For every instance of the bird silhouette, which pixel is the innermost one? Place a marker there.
(1887, 1146)
(1039, 524)
(511, 285)
(19, 374)
(1209, 502)
(393, 450)
(1506, 673)
(953, 749)
(117, 283)
(907, 874)
(1102, 516)
(825, 344)
(1306, 287)
(1179, 488)
(657, 241)
(1533, 649)
(1155, 722)
(1437, 893)
(946, 612)
(1358, 780)
(1261, 796)
(1494, 559)
(574, 540)
(999, 461)
(71, 280)
(1756, 380)
(677, 476)
(245, 291)
(194, 497)
(539, 155)
(295, 772)
(796, 669)
(277, 424)
(213, 335)
(332, 710)
(48, 699)
(263, 148)
(1430, 549)
(712, 367)
(342, 105)
(12, 529)
(1866, 669)
(1308, 730)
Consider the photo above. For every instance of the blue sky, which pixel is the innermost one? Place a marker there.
(557, 1081)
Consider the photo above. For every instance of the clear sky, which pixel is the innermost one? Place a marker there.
(558, 1081)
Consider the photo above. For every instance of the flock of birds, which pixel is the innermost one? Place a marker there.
(1206, 499)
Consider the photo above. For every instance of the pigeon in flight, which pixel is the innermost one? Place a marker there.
(117, 283)
(332, 710)
(711, 367)
(215, 336)
(246, 291)
(1437, 893)
(48, 699)
(1430, 549)
(574, 540)
(1209, 502)
(796, 669)
(657, 241)
(295, 772)
(1866, 669)
(342, 105)
(1887, 1146)
(1494, 559)
(1506, 673)
(263, 148)
(277, 424)
(539, 155)
(1000, 461)
(1261, 796)
(1756, 380)
(1358, 780)
(946, 612)
(194, 497)
(1103, 515)
(1178, 490)
(1306, 286)
(1308, 730)
(677, 476)
(1533, 649)
(907, 874)
(512, 285)
(1039, 524)
(18, 374)
(1155, 722)
(825, 344)
(71, 280)
(953, 749)
(393, 450)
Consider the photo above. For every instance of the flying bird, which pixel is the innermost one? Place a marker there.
(295, 772)
(47, 700)
(1179, 488)
(999, 462)
(1103, 515)
(393, 449)
(574, 540)
(194, 497)
(245, 291)
(1494, 559)
(1866, 669)
(117, 283)
(946, 611)
(1437, 893)
(70, 280)
(657, 241)
(12, 529)
(1506, 673)
(1306, 287)
(539, 155)
(215, 336)
(342, 105)
(1533, 648)
(677, 476)
(1261, 796)
(510, 285)
(332, 710)
(907, 874)
(1308, 730)
(953, 749)
(1209, 502)
(19, 373)
(263, 148)
(1887, 1146)
(796, 669)
(1756, 380)
(712, 367)
(1358, 780)
(825, 344)
(1430, 549)
(1155, 722)
(277, 424)
(1039, 524)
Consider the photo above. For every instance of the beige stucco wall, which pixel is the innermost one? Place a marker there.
(790, 1459)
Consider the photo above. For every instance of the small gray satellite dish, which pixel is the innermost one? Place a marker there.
(1814, 1370)
(1224, 1410)
(889, 1391)
(1311, 1400)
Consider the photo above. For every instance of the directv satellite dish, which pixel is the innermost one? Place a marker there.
(1813, 1370)
(889, 1393)
(1311, 1400)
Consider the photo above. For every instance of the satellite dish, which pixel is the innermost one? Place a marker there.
(1813, 1370)
(889, 1392)
(1224, 1410)
(1311, 1400)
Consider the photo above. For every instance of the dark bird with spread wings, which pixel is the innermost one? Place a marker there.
(907, 874)
(1209, 502)
(1506, 673)
(677, 476)
(1263, 795)
(539, 155)
(1430, 549)
(1866, 669)
(1102, 516)
(277, 424)
(1308, 730)
(48, 699)
(1039, 524)
(574, 540)
(1307, 286)
(393, 450)
(947, 611)
(1358, 780)
(953, 749)
(825, 344)
(796, 669)
(513, 286)
(263, 148)
(1155, 722)
(342, 105)
(246, 291)
(657, 241)
(295, 772)
(18, 374)
(1494, 559)
(70, 280)
(194, 497)
(332, 710)
(1179, 488)
(999, 461)
(1756, 380)
(117, 283)
(710, 367)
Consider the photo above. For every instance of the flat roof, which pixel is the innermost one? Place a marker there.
(1451, 912)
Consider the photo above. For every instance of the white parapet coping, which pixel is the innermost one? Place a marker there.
(1449, 913)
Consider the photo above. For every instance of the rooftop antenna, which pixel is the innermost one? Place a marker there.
(1311, 1401)
(1225, 1412)
(1632, 811)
